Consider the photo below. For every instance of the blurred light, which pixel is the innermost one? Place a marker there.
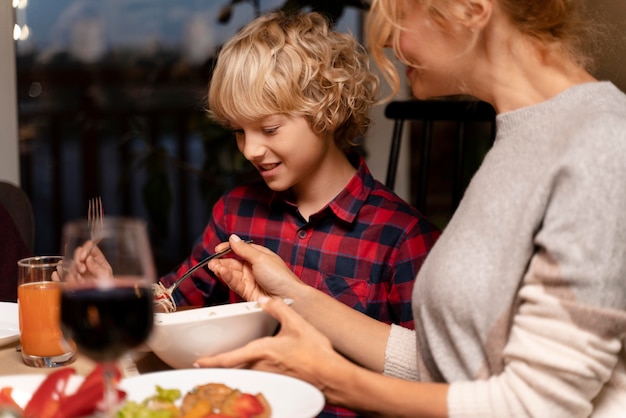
(16, 3)
(25, 33)
(199, 39)
(35, 89)
(21, 33)
(21, 3)
(17, 32)
(88, 40)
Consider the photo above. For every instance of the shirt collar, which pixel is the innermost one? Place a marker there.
(347, 204)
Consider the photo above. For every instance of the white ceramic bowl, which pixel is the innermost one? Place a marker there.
(179, 338)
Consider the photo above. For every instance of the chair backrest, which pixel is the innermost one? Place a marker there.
(19, 206)
(459, 115)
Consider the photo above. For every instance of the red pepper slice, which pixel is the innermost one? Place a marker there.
(6, 399)
(45, 401)
(88, 395)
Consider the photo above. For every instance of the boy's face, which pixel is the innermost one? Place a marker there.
(285, 151)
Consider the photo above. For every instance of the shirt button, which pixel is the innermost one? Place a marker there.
(301, 234)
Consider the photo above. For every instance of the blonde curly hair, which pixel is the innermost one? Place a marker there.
(295, 64)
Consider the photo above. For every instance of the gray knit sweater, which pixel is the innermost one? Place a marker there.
(521, 304)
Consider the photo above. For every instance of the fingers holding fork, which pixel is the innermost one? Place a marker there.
(95, 220)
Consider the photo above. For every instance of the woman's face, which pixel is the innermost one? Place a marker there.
(437, 58)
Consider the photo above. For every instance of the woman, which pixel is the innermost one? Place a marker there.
(520, 308)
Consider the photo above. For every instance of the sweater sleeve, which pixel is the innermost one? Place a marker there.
(401, 354)
(554, 368)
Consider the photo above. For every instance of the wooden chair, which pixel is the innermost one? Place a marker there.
(19, 206)
(460, 117)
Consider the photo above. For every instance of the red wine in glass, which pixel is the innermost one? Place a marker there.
(106, 298)
(107, 323)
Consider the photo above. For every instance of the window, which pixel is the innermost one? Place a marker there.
(111, 102)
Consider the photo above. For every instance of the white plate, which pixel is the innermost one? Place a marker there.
(9, 323)
(24, 385)
(288, 397)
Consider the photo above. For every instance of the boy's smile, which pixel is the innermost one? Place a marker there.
(266, 167)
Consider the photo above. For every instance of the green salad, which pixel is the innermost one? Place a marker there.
(159, 405)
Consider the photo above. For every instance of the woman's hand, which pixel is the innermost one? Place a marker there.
(298, 350)
(257, 272)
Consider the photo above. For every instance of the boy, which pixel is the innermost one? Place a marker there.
(297, 96)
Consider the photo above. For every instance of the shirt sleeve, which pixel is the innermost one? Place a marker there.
(554, 368)
(409, 257)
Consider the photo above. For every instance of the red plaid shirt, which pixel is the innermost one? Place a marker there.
(364, 248)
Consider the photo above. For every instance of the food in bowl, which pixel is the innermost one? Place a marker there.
(179, 338)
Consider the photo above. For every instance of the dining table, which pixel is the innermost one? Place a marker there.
(140, 361)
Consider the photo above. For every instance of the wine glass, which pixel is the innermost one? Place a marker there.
(106, 297)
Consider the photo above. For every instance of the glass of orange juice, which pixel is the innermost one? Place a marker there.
(38, 298)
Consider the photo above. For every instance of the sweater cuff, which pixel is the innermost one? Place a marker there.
(401, 354)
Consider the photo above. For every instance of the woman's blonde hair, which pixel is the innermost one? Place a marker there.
(295, 65)
(551, 23)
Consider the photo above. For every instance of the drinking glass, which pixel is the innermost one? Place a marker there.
(38, 298)
(106, 297)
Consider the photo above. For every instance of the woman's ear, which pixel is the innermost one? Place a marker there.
(475, 14)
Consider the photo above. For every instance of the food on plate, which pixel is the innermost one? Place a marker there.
(52, 400)
(212, 400)
(160, 405)
(224, 400)
(7, 403)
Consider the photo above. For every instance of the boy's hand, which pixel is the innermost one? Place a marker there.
(88, 263)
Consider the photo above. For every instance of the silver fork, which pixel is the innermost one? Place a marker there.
(95, 220)
(163, 295)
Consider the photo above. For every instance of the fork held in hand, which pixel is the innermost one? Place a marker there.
(95, 220)
(200, 264)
